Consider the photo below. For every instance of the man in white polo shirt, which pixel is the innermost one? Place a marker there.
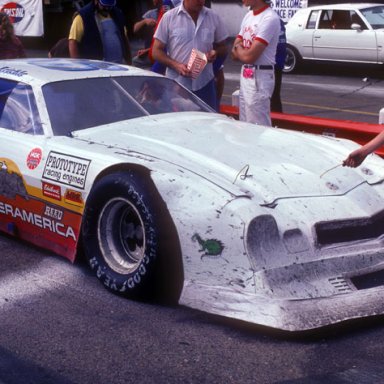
(255, 46)
(191, 25)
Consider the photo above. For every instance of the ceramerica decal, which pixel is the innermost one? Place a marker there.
(65, 169)
(37, 220)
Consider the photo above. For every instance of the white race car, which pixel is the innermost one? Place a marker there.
(166, 198)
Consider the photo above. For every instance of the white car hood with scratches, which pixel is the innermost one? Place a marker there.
(269, 163)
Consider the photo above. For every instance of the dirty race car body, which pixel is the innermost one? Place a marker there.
(165, 196)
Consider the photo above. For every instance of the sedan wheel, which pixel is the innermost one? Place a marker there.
(292, 60)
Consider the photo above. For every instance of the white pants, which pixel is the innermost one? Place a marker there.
(256, 88)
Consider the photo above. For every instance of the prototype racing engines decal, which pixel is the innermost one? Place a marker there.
(66, 169)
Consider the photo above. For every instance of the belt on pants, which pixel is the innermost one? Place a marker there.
(261, 66)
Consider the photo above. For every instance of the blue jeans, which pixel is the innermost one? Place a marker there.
(208, 94)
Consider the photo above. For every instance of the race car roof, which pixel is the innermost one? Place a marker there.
(39, 71)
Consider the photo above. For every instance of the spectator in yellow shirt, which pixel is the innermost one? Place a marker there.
(99, 32)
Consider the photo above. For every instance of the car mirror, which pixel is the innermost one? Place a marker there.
(356, 27)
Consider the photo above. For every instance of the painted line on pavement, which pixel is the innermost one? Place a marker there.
(354, 111)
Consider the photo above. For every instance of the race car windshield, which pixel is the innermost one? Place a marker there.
(79, 104)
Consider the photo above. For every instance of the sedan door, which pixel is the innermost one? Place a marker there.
(343, 36)
(300, 30)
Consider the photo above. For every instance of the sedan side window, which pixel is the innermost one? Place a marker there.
(356, 19)
(312, 20)
(18, 110)
(325, 20)
(341, 20)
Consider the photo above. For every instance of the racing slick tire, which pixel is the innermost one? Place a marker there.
(293, 60)
(129, 237)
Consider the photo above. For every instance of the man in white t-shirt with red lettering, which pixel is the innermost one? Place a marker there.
(255, 46)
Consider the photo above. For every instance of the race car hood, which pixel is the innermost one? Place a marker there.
(269, 163)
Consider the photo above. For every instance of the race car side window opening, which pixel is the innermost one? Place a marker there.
(18, 110)
(80, 104)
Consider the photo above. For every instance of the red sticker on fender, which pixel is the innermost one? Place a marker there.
(34, 158)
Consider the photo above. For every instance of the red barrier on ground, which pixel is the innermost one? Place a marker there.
(359, 132)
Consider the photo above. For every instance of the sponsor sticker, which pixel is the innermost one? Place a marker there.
(66, 169)
(52, 191)
(73, 197)
(54, 213)
(34, 157)
(12, 71)
(32, 218)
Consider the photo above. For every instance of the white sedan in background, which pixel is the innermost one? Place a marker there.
(337, 32)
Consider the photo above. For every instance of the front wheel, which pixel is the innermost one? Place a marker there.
(122, 233)
(292, 60)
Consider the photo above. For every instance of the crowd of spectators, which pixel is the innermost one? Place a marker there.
(168, 30)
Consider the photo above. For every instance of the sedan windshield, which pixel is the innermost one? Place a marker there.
(79, 104)
(375, 16)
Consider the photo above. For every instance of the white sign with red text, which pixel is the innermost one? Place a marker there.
(287, 8)
(284, 8)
